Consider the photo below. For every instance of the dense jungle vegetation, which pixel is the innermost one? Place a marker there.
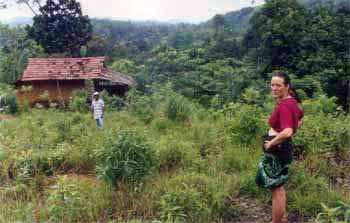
(184, 144)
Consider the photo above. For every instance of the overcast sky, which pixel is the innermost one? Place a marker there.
(159, 10)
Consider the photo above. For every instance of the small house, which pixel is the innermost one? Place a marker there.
(55, 79)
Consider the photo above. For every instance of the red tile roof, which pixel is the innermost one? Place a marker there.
(71, 69)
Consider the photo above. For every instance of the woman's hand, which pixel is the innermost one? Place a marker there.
(267, 145)
(281, 137)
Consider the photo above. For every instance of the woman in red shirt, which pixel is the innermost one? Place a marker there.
(284, 122)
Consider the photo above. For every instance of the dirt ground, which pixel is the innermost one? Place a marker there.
(4, 117)
(252, 212)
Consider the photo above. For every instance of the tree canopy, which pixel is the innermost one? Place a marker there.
(60, 27)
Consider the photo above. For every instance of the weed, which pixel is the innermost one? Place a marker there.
(77, 199)
(125, 157)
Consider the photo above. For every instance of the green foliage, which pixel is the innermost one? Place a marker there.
(8, 100)
(312, 44)
(65, 127)
(309, 86)
(112, 103)
(60, 27)
(251, 96)
(126, 157)
(208, 60)
(308, 191)
(78, 101)
(197, 167)
(162, 124)
(17, 202)
(194, 74)
(15, 49)
(194, 198)
(44, 96)
(323, 104)
(206, 65)
(247, 125)
(173, 154)
(237, 160)
(125, 66)
(142, 107)
(190, 199)
(39, 163)
(321, 132)
(178, 108)
(333, 215)
(78, 199)
(325, 127)
(46, 144)
(275, 33)
(248, 185)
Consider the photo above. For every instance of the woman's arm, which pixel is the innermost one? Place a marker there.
(300, 122)
(280, 137)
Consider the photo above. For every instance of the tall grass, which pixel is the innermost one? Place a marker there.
(200, 160)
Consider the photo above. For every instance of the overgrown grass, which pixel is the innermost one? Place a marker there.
(201, 158)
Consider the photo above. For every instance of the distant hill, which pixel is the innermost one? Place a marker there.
(317, 3)
(146, 34)
(238, 21)
(18, 21)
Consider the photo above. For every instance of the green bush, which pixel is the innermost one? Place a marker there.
(17, 202)
(321, 104)
(251, 96)
(195, 198)
(178, 108)
(142, 107)
(112, 102)
(44, 142)
(236, 160)
(37, 163)
(79, 100)
(63, 126)
(78, 199)
(8, 99)
(248, 124)
(307, 191)
(126, 157)
(210, 136)
(338, 214)
(322, 132)
(162, 124)
(248, 185)
(63, 157)
(172, 155)
(182, 206)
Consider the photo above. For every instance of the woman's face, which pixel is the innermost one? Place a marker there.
(278, 89)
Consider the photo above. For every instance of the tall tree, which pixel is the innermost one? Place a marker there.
(60, 27)
(275, 32)
(15, 50)
(218, 23)
(342, 86)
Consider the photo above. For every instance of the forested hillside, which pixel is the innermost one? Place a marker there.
(311, 43)
(318, 3)
(183, 145)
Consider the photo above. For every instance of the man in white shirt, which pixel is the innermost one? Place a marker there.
(97, 108)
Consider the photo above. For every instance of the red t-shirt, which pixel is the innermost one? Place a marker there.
(287, 114)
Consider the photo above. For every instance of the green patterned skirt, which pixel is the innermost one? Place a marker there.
(273, 166)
